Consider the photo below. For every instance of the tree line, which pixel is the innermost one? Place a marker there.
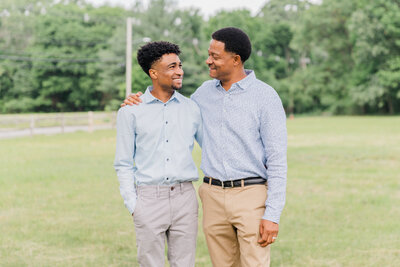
(331, 57)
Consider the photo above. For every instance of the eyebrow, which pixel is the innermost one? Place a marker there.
(213, 53)
(174, 63)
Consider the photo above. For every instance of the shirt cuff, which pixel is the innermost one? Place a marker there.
(131, 205)
(271, 217)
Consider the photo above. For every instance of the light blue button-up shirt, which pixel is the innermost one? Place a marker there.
(155, 142)
(245, 136)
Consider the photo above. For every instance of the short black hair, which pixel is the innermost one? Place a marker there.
(149, 53)
(235, 40)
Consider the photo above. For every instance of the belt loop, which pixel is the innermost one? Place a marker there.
(222, 184)
(232, 183)
(158, 191)
(209, 181)
(242, 181)
(181, 185)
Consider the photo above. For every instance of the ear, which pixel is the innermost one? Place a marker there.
(237, 60)
(153, 74)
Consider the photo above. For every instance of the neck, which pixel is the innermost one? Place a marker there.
(234, 78)
(162, 94)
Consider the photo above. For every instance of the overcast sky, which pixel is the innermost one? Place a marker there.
(207, 7)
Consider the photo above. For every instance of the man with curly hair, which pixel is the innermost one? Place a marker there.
(243, 155)
(154, 161)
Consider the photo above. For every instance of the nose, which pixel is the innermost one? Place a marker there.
(180, 71)
(208, 60)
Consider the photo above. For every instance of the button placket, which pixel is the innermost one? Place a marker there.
(166, 137)
(167, 158)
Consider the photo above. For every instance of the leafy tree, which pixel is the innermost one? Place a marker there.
(340, 57)
(68, 38)
(375, 31)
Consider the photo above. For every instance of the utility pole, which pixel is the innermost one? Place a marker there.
(128, 65)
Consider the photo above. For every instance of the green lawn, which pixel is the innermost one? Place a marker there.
(60, 202)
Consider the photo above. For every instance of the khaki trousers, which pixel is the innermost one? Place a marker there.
(166, 213)
(231, 221)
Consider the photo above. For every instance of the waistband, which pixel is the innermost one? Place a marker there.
(235, 183)
(159, 190)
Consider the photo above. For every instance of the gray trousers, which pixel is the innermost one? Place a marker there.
(166, 213)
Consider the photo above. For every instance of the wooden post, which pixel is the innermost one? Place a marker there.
(90, 121)
(62, 123)
(32, 124)
(112, 119)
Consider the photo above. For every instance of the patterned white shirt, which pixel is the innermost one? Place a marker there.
(244, 135)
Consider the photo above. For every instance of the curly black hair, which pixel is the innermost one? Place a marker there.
(149, 53)
(235, 41)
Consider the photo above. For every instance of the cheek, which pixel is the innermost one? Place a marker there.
(218, 64)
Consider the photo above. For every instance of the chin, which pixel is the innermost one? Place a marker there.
(212, 74)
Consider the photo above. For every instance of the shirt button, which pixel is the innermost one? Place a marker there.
(167, 178)
(166, 141)
(165, 105)
(166, 122)
(167, 159)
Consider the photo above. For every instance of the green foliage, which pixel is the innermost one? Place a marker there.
(375, 31)
(337, 57)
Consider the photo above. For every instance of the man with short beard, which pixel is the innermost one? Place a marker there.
(243, 155)
(154, 161)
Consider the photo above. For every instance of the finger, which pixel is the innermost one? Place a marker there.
(134, 100)
(264, 243)
(123, 105)
(261, 230)
(135, 97)
(263, 238)
(127, 102)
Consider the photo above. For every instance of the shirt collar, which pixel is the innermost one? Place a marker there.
(243, 83)
(149, 98)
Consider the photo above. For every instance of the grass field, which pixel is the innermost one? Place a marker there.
(60, 202)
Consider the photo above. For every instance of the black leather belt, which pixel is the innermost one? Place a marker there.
(235, 183)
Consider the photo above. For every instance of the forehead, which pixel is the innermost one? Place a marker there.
(167, 59)
(216, 47)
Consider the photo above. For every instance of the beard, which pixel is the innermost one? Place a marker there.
(177, 88)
